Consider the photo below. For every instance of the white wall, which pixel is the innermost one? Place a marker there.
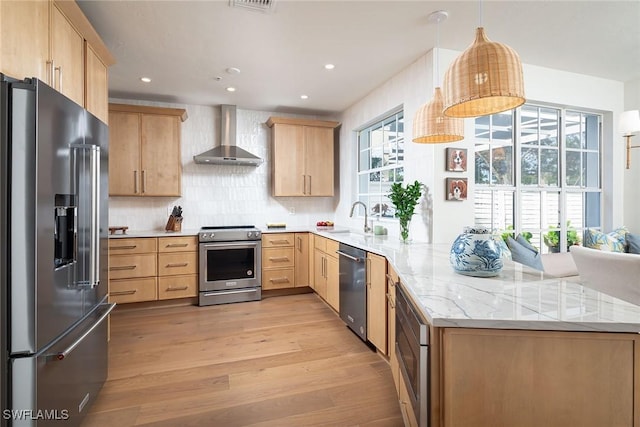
(632, 175)
(438, 220)
(218, 194)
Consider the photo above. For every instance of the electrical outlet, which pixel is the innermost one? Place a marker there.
(292, 210)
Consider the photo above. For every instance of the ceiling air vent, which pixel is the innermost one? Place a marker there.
(259, 5)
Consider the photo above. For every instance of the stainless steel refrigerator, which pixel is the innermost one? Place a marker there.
(53, 260)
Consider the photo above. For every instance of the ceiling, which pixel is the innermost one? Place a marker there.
(186, 47)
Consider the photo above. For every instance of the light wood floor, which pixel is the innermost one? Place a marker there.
(283, 361)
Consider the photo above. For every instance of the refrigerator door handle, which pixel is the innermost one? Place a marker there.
(64, 353)
(94, 216)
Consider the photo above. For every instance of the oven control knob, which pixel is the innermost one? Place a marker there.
(249, 234)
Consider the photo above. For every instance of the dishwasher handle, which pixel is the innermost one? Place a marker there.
(351, 257)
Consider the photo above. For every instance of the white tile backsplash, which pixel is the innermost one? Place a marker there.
(220, 194)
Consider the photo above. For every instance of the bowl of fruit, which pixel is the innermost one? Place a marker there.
(324, 225)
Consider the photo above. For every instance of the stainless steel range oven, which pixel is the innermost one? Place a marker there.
(230, 264)
(412, 350)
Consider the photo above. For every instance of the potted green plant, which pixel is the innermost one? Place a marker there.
(552, 238)
(405, 200)
(509, 232)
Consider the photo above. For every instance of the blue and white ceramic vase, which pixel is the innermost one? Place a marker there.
(476, 253)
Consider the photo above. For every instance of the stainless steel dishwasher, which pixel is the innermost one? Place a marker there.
(353, 289)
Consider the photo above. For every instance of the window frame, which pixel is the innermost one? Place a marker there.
(563, 189)
(378, 202)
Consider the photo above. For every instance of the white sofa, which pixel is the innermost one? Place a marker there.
(614, 273)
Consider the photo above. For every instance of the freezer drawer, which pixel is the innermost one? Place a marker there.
(56, 386)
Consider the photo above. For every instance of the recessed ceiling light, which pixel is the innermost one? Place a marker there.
(329, 66)
(233, 70)
(304, 96)
(145, 79)
(231, 89)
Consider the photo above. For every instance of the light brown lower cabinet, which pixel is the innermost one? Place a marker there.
(392, 281)
(326, 274)
(377, 301)
(149, 268)
(408, 416)
(278, 261)
(538, 378)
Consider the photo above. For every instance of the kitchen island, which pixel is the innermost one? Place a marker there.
(518, 349)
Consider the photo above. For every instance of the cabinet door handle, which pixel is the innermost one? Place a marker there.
(391, 303)
(59, 78)
(135, 182)
(50, 65)
(279, 280)
(122, 267)
(177, 245)
(304, 184)
(115, 294)
(279, 242)
(181, 288)
(178, 264)
(309, 184)
(390, 280)
(279, 259)
(144, 181)
(124, 247)
(299, 240)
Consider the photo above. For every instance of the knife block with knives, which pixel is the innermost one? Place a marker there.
(175, 220)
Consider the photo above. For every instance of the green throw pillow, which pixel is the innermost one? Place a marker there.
(614, 241)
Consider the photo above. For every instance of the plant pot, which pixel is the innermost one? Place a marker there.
(476, 252)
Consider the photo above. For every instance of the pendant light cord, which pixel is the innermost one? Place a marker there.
(480, 13)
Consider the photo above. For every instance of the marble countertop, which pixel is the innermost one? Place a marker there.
(154, 233)
(518, 298)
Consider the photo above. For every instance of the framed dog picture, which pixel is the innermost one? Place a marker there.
(456, 159)
(456, 188)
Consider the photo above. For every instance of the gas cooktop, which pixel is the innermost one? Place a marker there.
(229, 233)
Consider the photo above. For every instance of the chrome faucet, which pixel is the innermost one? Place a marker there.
(367, 229)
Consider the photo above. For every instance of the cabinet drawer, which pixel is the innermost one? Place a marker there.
(277, 239)
(277, 257)
(178, 286)
(171, 264)
(320, 243)
(332, 247)
(132, 246)
(130, 266)
(278, 279)
(178, 244)
(133, 290)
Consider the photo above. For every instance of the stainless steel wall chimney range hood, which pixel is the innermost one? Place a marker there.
(227, 153)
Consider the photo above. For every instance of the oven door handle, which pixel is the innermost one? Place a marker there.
(224, 245)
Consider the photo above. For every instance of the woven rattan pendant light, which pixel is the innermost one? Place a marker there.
(485, 79)
(430, 126)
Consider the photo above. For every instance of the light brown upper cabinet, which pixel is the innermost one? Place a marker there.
(54, 42)
(67, 57)
(96, 83)
(302, 156)
(144, 150)
(24, 39)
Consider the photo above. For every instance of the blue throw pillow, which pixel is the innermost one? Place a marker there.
(633, 240)
(525, 255)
